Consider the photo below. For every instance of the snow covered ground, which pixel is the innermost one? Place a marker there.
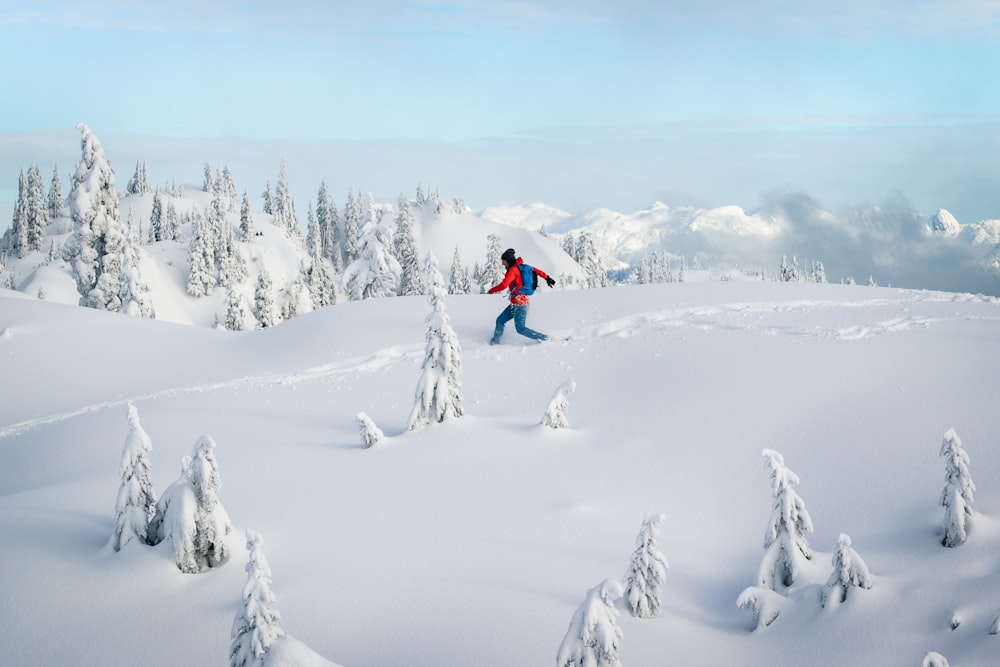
(474, 541)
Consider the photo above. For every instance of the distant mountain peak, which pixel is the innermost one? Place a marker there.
(943, 223)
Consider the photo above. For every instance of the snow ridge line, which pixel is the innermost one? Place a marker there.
(375, 361)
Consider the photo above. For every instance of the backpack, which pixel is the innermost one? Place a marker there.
(529, 279)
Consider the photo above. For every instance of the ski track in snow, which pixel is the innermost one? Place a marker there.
(740, 316)
(373, 362)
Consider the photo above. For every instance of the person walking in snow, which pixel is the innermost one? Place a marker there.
(514, 280)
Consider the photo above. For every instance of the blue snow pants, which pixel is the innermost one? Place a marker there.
(519, 314)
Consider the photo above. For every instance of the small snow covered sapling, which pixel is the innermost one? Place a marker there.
(370, 433)
(995, 628)
(958, 492)
(136, 502)
(555, 413)
(785, 543)
(647, 572)
(255, 627)
(593, 636)
(849, 571)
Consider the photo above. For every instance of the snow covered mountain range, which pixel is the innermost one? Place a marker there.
(894, 245)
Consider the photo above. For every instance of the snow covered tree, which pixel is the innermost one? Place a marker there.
(227, 189)
(37, 212)
(647, 572)
(171, 226)
(94, 250)
(246, 220)
(784, 541)
(439, 390)
(591, 262)
(236, 313)
(404, 246)
(555, 412)
(353, 214)
(790, 272)
(190, 515)
(136, 502)
(995, 627)
(375, 272)
(134, 293)
(55, 199)
(16, 238)
(370, 433)
(156, 219)
(492, 271)
(593, 637)
(818, 272)
(458, 282)
(329, 225)
(263, 306)
(255, 627)
(139, 183)
(958, 491)
(202, 278)
(283, 206)
(849, 571)
(267, 197)
(314, 239)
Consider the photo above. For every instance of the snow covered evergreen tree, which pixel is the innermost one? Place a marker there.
(370, 433)
(156, 220)
(236, 313)
(246, 220)
(375, 273)
(492, 270)
(95, 248)
(255, 627)
(849, 571)
(136, 502)
(190, 515)
(458, 282)
(283, 206)
(134, 296)
(329, 226)
(267, 197)
(411, 278)
(55, 199)
(647, 572)
(958, 491)
(785, 543)
(555, 412)
(593, 637)
(37, 212)
(16, 238)
(590, 260)
(139, 183)
(353, 214)
(202, 278)
(790, 272)
(439, 390)
(314, 239)
(264, 309)
(171, 226)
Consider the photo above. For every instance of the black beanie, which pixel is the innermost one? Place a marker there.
(509, 256)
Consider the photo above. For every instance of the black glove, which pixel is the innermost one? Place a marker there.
(550, 282)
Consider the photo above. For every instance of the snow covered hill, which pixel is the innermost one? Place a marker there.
(474, 542)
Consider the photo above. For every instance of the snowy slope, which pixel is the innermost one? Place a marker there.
(474, 541)
(165, 264)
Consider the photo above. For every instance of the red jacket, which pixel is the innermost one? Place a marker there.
(512, 280)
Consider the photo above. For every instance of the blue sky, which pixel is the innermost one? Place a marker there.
(579, 103)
